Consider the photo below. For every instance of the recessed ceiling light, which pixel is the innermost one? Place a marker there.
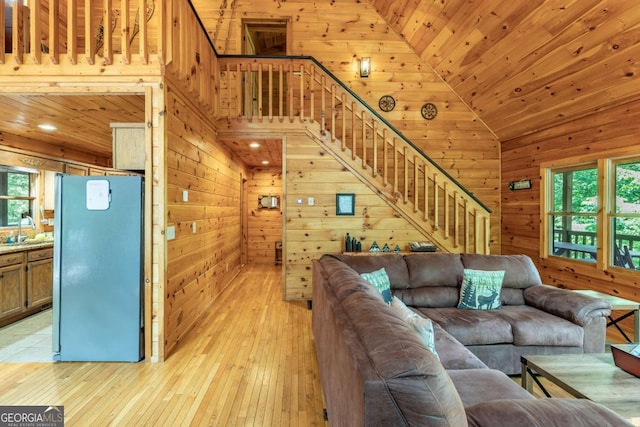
(265, 162)
(254, 145)
(47, 127)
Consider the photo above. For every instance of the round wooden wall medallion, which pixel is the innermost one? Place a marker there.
(387, 103)
(429, 111)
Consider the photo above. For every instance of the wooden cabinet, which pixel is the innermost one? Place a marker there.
(128, 146)
(26, 283)
(76, 169)
(11, 284)
(39, 277)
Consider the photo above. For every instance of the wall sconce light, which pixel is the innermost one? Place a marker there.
(365, 66)
(523, 184)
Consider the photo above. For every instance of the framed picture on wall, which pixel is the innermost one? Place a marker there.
(345, 204)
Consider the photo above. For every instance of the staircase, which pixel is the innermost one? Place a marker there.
(298, 94)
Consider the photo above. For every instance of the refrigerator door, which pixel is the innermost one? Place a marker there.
(98, 273)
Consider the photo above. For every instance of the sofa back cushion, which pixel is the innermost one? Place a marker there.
(393, 264)
(434, 280)
(519, 273)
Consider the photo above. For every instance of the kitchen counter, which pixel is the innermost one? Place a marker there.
(7, 248)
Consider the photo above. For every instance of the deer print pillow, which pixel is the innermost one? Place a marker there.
(480, 290)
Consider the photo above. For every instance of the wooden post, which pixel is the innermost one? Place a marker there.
(89, 36)
(333, 112)
(312, 94)
(415, 183)
(142, 31)
(36, 28)
(72, 31)
(301, 93)
(343, 101)
(124, 40)
(375, 147)
(107, 34)
(18, 33)
(259, 91)
(270, 90)
(363, 117)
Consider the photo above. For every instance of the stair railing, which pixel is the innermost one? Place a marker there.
(287, 92)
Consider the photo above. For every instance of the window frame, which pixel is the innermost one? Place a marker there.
(605, 212)
(31, 198)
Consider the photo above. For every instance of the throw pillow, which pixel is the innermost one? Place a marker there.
(422, 325)
(480, 290)
(380, 280)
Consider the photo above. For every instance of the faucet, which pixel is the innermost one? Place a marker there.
(25, 215)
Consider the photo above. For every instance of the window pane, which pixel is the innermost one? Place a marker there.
(15, 208)
(17, 184)
(626, 242)
(628, 187)
(574, 236)
(575, 191)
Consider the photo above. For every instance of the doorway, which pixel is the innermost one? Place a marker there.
(264, 37)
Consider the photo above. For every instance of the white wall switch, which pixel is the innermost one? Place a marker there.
(193, 227)
(185, 196)
(171, 232)
(311, 201)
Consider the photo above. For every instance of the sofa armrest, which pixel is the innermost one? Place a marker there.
(575, 307)
(542, 412)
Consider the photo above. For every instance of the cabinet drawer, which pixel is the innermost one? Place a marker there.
(40, 254)
(10, 259)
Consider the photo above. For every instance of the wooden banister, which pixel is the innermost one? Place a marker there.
(359, 138)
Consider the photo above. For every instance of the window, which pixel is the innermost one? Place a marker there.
(593, 212)
(625, 218)
(15, 195)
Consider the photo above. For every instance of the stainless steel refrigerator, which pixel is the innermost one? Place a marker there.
(98, 269)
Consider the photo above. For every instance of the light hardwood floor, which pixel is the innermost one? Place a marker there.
(251, 361)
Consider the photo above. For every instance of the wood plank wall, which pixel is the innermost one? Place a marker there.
(264, 225)
(338, 34)
(314, 230)
(200, 264)
(599, 135)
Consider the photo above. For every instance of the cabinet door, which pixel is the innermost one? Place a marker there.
(39, 282)
(11, 294)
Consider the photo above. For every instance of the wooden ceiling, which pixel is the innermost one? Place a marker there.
(82, 122)
(522, 66)
(528, 65)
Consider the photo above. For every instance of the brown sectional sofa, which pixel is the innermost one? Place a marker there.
(376, 371)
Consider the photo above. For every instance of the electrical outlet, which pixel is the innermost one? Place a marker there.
(185, 196)
(311, 201)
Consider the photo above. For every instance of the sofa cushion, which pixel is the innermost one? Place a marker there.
(422, 325)
(434, 269)
(393, 264)
(482, 385)
(454, 355)
(480, 290)
(471, 327)
(380, 281)
(543, 413)
(519, 270)
(531, 326)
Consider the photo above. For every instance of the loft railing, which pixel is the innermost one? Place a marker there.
(82, 31)
(286, 92)
(101, 37)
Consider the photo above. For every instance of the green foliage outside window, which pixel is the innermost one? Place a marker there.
(13, 184)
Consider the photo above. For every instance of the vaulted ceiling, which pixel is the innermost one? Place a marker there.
(522, 66)
(526, 65)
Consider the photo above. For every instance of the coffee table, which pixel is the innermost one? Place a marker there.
(587, 376)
